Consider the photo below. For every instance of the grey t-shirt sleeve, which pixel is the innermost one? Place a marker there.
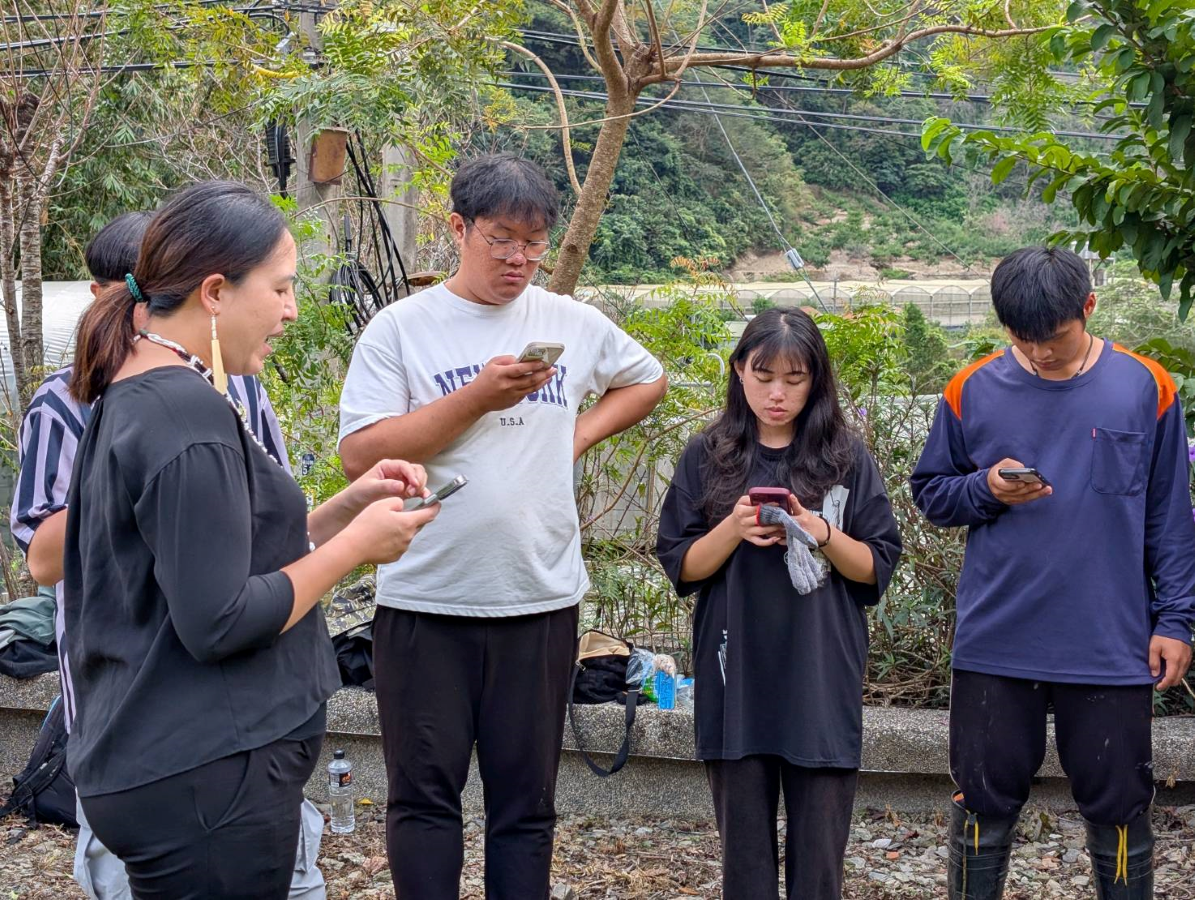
(195, 516)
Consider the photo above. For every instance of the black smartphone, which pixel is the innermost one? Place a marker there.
(1025, 474)
(436, 496)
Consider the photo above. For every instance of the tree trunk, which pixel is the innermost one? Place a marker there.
(31, 288)
(8, 282)
(582, 228)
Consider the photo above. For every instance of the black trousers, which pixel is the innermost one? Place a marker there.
(818, 804)
(227, 829)
(445, 683)
(998, 742)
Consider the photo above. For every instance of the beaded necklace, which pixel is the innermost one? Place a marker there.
(197, 365)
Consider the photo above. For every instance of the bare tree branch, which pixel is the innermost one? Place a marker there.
(611, 69)
(772, 59)
(582, 37)
(821, 15)
(655, 33)
(560, 108)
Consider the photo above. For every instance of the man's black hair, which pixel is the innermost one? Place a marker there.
(507, 186)
(113, 252)
(1038, 290)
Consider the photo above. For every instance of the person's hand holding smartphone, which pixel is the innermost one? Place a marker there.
(436, 496)
(1014, 483)
(505, 382)
(541, 351)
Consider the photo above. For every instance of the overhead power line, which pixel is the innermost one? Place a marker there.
(786, 114)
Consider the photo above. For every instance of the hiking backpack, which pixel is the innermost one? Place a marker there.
(44, 791)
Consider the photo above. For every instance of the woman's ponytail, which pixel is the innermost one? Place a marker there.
(103, 342)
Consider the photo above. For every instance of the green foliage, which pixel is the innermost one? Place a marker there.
(1131, 312)
(865, 344)
(624, 479)
(1140, 196)
(926, 354)
(305, 373)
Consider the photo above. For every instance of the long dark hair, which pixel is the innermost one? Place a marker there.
(822, 448)
(208, 228)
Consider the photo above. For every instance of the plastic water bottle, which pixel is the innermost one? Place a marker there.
(340, 791)
(665, 690)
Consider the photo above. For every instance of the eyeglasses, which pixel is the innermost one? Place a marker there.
(505, 248)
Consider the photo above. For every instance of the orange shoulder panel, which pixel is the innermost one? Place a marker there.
(1167, 389)
(954, 390)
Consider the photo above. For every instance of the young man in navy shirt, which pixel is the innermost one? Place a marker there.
(1078, 590)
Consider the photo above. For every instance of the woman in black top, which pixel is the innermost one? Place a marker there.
(193, 569)
(779, 674)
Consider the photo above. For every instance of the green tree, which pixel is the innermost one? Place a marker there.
(926, 354)
(1140, 195)
(634, 47)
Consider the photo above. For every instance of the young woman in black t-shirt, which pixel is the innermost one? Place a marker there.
(193, 569)
(779, 674)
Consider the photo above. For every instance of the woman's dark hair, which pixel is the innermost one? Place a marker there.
(823, 445)
(214, 227)
(503, 184)
(112, 253)
(1038, 290)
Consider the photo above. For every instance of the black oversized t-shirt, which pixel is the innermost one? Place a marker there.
(777, 672)
(178, 525)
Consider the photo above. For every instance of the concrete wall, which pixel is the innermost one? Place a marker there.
(905, 758)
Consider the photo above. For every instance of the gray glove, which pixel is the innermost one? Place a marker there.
(806, 573)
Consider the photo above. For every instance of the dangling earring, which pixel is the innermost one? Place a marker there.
(219, 379)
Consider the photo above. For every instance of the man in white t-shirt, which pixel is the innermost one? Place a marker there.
(476, 625)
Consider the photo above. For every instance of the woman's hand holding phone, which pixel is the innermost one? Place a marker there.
(744, 519)
(383, 531)
(389, 478)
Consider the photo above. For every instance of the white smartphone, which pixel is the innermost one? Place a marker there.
(541, 351)
(447, 490)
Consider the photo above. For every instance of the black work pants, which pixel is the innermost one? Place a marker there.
(818, 804)
(998, 742)
(227, 829)
(445, 683)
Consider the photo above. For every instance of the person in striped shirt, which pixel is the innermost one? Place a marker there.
(48, 440)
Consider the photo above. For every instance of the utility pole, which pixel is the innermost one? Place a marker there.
(309, 194)
(399, 199)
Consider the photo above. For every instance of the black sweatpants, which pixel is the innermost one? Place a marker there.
(443, 684)
(818, 804)
(998, 742)
(226, 829)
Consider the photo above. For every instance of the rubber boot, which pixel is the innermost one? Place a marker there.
(1122, 859)
(980, 847)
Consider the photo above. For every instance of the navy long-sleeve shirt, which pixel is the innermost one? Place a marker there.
(1070, 587)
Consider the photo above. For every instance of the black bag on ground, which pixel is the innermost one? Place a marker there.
(600, 676)
(44, 791)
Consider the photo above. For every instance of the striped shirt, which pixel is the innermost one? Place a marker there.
(49, 439)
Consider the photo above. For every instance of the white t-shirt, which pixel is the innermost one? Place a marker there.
(509, 542)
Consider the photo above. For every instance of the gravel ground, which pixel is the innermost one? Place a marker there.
(887, 857)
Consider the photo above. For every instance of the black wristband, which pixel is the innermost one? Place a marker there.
(829, 531)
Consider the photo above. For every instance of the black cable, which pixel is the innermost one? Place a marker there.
(690, 106)
(571, 39)
(831, 115)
